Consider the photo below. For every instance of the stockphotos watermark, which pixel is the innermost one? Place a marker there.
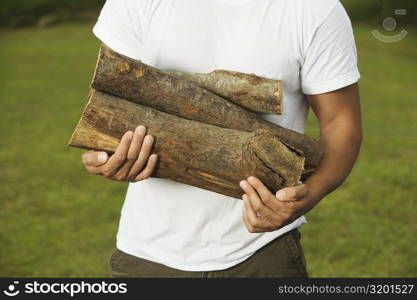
(390, 24)
(72, 289)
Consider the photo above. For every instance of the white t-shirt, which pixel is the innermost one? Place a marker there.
(307, 44)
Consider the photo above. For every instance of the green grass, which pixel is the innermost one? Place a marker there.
(56, 220)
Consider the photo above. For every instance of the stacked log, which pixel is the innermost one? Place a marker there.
(203, 133)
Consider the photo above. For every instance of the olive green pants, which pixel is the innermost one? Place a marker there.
(283, 257)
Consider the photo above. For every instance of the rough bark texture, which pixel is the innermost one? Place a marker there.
(138, 82)
(255, 93)
(202, 155)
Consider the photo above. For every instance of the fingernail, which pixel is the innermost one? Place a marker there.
(243, 184)
(102, 157)
(148, 140)
(140, 130)
(281, 195)
(154, 157)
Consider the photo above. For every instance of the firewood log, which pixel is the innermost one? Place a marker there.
(253, 92)
(135, 81)
(191, 152)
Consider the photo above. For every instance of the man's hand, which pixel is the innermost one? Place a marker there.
(339, 116)
(264, 211)
(130, 162)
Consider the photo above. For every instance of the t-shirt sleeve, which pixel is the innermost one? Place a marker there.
(331, 60)
(119, 27)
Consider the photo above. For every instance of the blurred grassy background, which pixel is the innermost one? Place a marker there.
(56, 220)
(18, 13)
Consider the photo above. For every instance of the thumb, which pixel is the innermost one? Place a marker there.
(292, 193)
(94, 158)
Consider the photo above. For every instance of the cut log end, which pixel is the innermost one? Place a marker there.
(284, 165)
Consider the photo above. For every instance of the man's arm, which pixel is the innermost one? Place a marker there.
(339, 116)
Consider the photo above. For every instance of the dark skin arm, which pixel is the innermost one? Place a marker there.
(339, 115)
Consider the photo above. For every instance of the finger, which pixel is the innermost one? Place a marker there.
(245, 219)
(250, 228)
(143, 156)
(132, 153)
(267, 197)
(292, 193)
(255, 200)
(119, 157)
(94, 158)
(249, 215)
(150, 167)
(136, 144)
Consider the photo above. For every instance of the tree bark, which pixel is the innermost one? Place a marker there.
(250, 91)
(138, 82)
(199, 154)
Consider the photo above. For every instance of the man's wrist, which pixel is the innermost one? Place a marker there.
(317, 187)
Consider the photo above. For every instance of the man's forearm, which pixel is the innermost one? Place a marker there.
(341, 142)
